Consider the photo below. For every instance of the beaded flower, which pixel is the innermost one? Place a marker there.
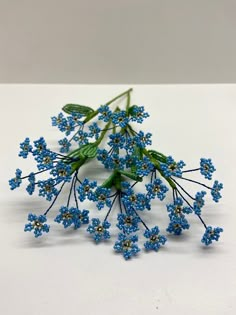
(99, 230)
(137, 179)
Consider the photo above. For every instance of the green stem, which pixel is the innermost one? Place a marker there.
(157, 165)
(128, 102)
(122, 94)
(110, 180)
(155, 162)
(76, 165)
(91, 116)
(99, 140)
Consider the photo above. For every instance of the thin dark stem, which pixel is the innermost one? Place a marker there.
(202, 220)
(76, 176)
(34, 174)
(71, 187)
(110, 151)
(193, 170)
(192, 209)
(109, 211)
(184, 199)
(152, 177)
(173, 191)
(194, 181)
(141, 220)
(182, 189)
(54, 200)
(134, 184)
(112, 195)
(127, 133)
(76, 201)
(120, 204)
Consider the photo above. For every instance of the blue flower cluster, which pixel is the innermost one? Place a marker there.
(156, 189)
(206, 168)
(69, 216)
(128, 161)
(37, 224)
(74, 123)
(172, 168)
(155, 240)
(215, 191)
(211, 234)
(99, 230)
(16, 181)
(127, 245)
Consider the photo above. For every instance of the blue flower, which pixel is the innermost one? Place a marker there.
(156, 189)
(102, 198)
(85, 190)
(128, 223)
(143, 140)
(16, 181)
(115, 162)
(58, 121)
(206, 168)
(47, 188)
(211, 234)
(45, 159)
(199, 202)
(61, 172)
(130, 145)
(177, 210)
(65, 145)
(40, 145)
(94, 130)
(102, 155)
(67, 127)
(105, 113)
(69, 216)
(144, 167)
(99, 230)
(172, 168)
(120, 118)
(117, 141)
(31, 187)
(37, 224)
(143, 202)
(126, 245)
(155, 239)
(215, 191)
(74, 119)
(81, 137)
(26, 148)
(129, 198)
(177, 224)
(138, 114)
(134, 201)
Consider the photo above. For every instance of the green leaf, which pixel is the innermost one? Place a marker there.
(88, 150)
(157, 156)
(74, 108)
(131, 175)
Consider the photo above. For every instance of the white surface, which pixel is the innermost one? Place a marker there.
(64, 272)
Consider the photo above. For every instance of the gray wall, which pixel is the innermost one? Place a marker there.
(121, 41)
